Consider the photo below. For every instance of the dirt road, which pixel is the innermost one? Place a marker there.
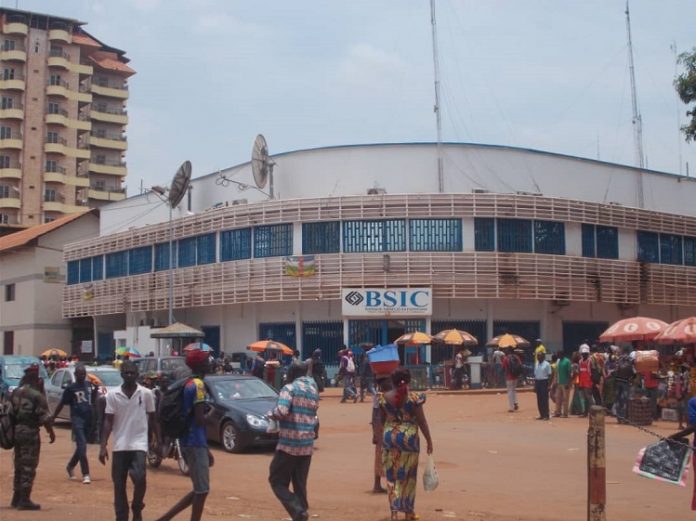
(493, 466)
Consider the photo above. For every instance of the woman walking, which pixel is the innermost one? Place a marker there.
(402, 415)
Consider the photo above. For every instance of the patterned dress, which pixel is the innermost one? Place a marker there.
(400, 448)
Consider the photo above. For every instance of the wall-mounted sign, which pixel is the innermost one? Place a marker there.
(86, 346)
(52, 275)
(389, 302)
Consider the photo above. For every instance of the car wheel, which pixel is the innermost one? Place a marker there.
(229, 437)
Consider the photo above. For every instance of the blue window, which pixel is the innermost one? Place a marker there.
(648, 247)
(186, 253)
(484, 234)
(162, 256)
(589, 248)
(549, 237)
(206, 248)
(324, 237)
(86, 269)
(117, 264)
(670, 249)
(98, 267)
(435, 235)
(235, 244)
(515, 235)
(600, 241)
(73, 272)
(140, 260)
(273, 241)
(690, 251)
(374, 236)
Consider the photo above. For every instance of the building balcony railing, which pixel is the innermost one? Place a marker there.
(59, 111)
(15, 26)
(60, 34)
(56, 140)
(16, 54)
(109, 115)
(12, 171)
(14, 143)
(58, 53)
(14, 83)
(14, 112)
(10, 202)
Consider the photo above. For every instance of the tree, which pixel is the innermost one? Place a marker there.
(686, 88)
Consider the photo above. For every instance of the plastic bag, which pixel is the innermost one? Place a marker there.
(430, 477)
(666, 460)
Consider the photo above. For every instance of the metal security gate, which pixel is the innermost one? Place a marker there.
(530, 330)
(280, 331)
(439, 353)
(327, 336)
(381, 331)
(575, 333)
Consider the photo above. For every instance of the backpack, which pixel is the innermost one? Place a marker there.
(170, 413)
(624, 368)
(515, 366)
(6, 424)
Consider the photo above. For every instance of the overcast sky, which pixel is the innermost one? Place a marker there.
(544, 74)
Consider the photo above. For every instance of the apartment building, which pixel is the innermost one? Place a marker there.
(63, 118)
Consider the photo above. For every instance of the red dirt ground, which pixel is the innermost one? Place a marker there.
(493, 466)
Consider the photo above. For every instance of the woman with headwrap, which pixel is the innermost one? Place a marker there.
(402, 415)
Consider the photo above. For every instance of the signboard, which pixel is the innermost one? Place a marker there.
(52, 275)
(386, 302)
(86, 346)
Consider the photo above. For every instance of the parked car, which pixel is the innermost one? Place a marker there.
(12, 370)
(173, 367)
(110, 378)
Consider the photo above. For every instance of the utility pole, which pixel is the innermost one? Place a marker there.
(436, 108)
(637, 120)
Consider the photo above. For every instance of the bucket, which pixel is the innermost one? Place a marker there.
(383, 359)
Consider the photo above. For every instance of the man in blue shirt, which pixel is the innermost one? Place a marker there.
(194, 444)
(80, 396)
(542, 373)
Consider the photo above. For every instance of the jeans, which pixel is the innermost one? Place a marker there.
(511, 393)
(349, 390)
(586, 395)
(80, 428)
(622, 390)
(562, 399)
(123, 464)
(652, 395)
(199, 468)
(284, 470)
(542, 394)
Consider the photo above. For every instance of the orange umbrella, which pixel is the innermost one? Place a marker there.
(456, 337)
(634, 328)
(54, 352)
(414, 338)
(680, 332)
(508, 341)
(264, 345)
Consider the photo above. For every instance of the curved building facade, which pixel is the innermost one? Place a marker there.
(356, 247)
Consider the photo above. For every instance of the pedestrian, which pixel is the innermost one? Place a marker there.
(650, 385)
(270, 368)
(384, 384)
(510, 361)
(458, 372)
(257, 366)
(690, 428)
(585, 378)
(539, 348)
(624, 375)
(403, 416)
(597, 364)
(129, 414)
(577, 405)
(367, 381)
(30, 413)
(296, 413)
(317, 370)
(553, 382)
(194, 444)
(609, 380)
(682, 391)
(563, 383)
(81, 397)
(542, 374)
(346, 371)
(498, 367)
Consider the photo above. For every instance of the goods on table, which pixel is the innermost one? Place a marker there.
(383, 359)
(647, 361)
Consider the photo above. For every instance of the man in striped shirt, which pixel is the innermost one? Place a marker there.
(296, 413)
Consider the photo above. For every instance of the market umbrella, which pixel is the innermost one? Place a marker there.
(54, 352)
(508, 341)
(414, 338)
(680, 332)
(132, 352)
(456, 337)
(265, 345)
(634, 328)
(193, 346)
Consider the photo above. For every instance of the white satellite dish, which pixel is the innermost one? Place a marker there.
(262, 164)
(180, 183)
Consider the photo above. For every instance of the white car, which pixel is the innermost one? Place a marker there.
(63, 377)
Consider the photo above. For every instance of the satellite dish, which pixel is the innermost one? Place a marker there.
(261, 163)
(180, 183)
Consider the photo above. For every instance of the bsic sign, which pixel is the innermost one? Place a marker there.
(386, 302)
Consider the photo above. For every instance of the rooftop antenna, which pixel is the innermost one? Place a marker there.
(436, 108)
(262, 165)
(677, 105)
(637, 120)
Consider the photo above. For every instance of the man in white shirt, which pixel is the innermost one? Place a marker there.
(129, 413)
(542, 374)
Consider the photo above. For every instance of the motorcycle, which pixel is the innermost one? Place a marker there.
(169, 449)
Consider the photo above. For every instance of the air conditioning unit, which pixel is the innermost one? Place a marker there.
(237, 202)
(479, 191)
(522, 192)
(376, 191)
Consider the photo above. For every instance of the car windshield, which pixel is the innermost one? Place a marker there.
(109, 378)
(171, 364)
(229, 390)
(16, 371)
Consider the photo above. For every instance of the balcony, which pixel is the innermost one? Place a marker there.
(117, 168)
(109, 115)
(16, 54)
(81, 68)
(57, 88)
(15, 25)
(106, 194)
(13, 143)
(55, 177)
(59, 58)
(60, 147)
(111, 91)
(60, 34)
(10, 202)
(16, 112)
(108, 141)
(11, 172)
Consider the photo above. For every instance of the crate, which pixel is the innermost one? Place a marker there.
(639, 411)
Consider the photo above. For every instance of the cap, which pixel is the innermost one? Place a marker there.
(584, 348)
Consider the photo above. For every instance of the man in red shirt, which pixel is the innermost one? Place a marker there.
(585, 378)
(510, 362)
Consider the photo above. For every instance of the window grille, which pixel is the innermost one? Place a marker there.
(648, 247)
(235, 244)
(670, 249)
(327, 336)
(322, 237)
(140, 260)
(484, 233)
(514, 235)
(206, 248)
(374, 236)
(273, 240)
(435, 235)
(549, 237)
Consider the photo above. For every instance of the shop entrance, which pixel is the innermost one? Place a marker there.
(385, 331)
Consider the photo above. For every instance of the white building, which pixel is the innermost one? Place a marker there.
(32, 277)
(541, 244)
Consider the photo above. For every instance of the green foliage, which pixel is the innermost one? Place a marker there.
(685, 84)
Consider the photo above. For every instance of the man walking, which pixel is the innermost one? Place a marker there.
(80, 396)
(624, 375)
(194, 444)
(512, 368)
(30, 413)
(346, 369)
(458, 371)
(542, 373)
(585, 378)
(129, 413)
(563, 372)
(296, 412)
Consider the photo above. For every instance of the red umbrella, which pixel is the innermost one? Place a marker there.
(680, 332)
(634, 328)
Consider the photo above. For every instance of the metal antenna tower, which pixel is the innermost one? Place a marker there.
(637, 120)
(436, 108)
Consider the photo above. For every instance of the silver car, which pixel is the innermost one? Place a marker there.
(63, 377)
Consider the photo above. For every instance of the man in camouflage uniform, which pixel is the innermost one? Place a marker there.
(31, 412)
